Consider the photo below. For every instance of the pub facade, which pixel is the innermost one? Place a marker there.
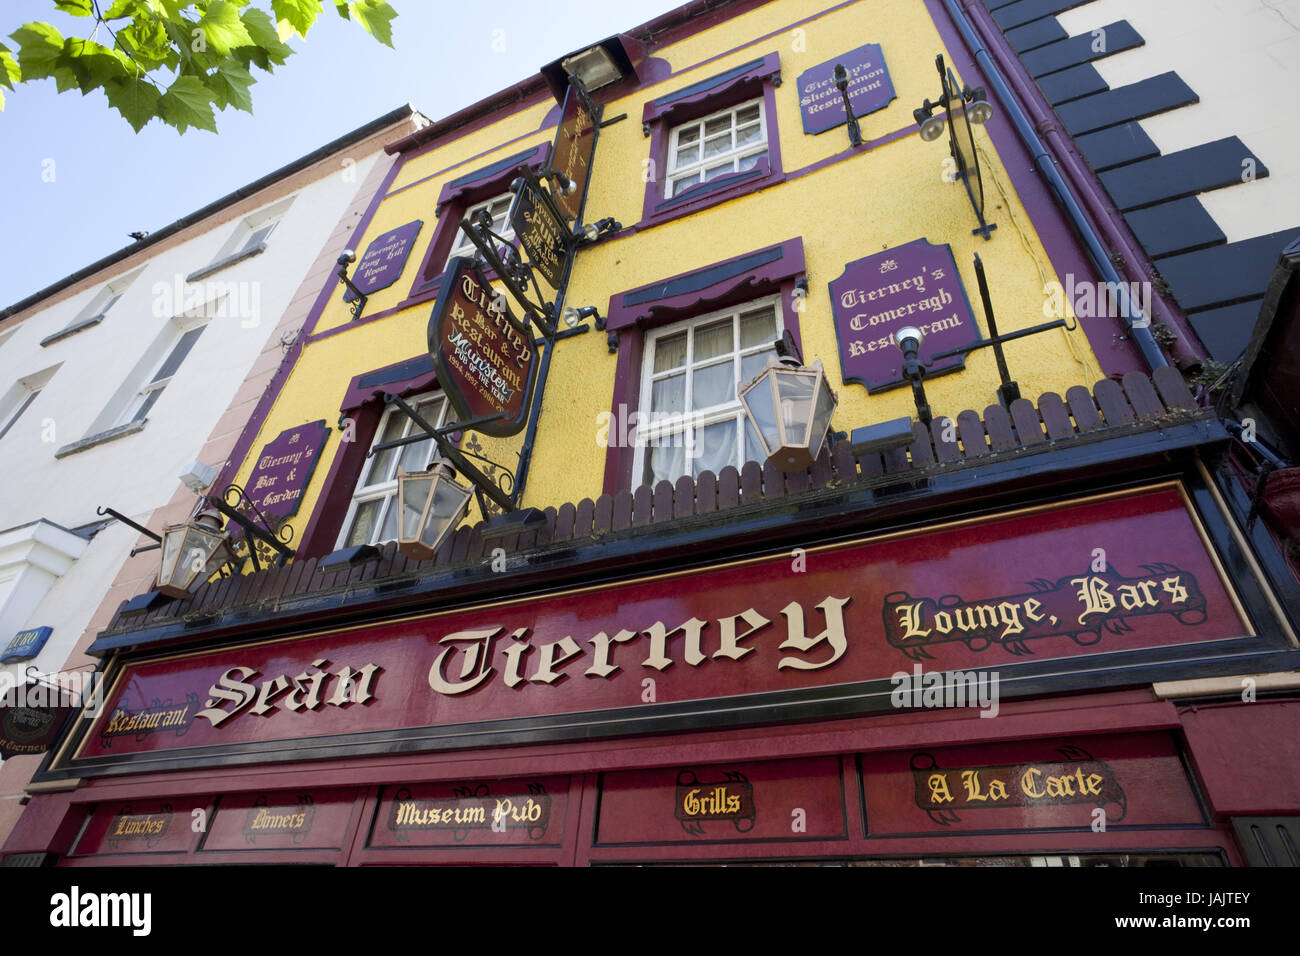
(683, 467)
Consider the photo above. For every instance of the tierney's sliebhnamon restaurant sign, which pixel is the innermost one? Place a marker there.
(996, 593)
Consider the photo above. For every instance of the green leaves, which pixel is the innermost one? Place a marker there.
(376, 18)
(137, 100)
(187, 103)
(299, 14)
(222, 28)
(198, 51)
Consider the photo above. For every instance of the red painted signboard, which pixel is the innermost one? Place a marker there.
(771, 801)
(1115, 573)
(1096, 783)
(527, 812)
(285, 820)
(145, 826)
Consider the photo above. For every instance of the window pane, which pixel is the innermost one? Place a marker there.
(747, 115)
(749, 162)
(664, 461)
(381, 463)
(689, 135)
(363, 523)
(670, 352)
(749, 134)
(713, 385)
(715, 448)
(686, 182)
(147, 404)
(713, 340)
(178, 353)
(757, 328)
(717, 146)
(714, 172)
(718, 125)
(390, 520)
(31, 397)
(751, 365)
(415, 456)
(685, 157)
(753, 449)
(669, 394)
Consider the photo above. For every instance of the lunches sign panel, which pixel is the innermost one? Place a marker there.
(759, 638)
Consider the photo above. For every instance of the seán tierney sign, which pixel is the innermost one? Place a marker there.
(752, 637)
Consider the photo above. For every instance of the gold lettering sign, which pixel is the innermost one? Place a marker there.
(1079, 779)
(146, 828)
(472, 808)
(730, 799)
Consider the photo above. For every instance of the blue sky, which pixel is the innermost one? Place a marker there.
(108, 181)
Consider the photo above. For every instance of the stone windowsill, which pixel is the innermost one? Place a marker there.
(90, 441)
(227, 261)
(72, 330)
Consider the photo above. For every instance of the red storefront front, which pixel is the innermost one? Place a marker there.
(1057, 652)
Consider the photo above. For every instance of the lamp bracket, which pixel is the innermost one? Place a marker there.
(129, 523)
(498, 484)
(261, 540)
(513, 272)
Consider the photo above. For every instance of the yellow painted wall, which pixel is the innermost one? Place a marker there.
(881, 198)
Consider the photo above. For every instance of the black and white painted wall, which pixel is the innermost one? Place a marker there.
(1185, 111)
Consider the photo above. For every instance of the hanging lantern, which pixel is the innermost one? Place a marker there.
(790, 407)
(192, 552)
(431, 504)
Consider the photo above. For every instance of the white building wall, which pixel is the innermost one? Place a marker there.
(96, 369)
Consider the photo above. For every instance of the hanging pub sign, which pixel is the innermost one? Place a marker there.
(755, 638)
(575, 142)
(541, 232)
(916, 285)
(25, 645)
(483, 355)
(382, 263)
(31, 716)
(283, 469)
(822, 105)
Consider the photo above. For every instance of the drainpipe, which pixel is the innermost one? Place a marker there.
(1186, 350)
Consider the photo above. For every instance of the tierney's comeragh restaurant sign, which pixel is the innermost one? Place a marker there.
(1060, 583)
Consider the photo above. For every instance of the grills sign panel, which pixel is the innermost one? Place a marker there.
(483, 355)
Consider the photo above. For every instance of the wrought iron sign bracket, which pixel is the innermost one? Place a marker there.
(264, 534)
(457, 457)
(1009, 390)
(516, 275)
(138, 527)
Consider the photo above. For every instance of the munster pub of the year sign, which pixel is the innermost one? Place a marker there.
(382, 263)
(754, 638)
(483, 355)
(916, 285)
(870, 88)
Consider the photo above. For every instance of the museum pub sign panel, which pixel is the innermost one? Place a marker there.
(985, 594)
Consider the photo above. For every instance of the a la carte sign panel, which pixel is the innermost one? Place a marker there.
(483, 355)
(916, 285)
(1023, 587)
(822, 105)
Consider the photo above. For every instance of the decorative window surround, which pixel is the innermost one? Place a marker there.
(362, 403)
(32, 557)
(756, 79)
(458, 196)
(770, 271)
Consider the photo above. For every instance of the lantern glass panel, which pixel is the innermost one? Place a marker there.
(822, 417)
(414, 497)
(450, 500)
(761, 404)
(796, 391)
